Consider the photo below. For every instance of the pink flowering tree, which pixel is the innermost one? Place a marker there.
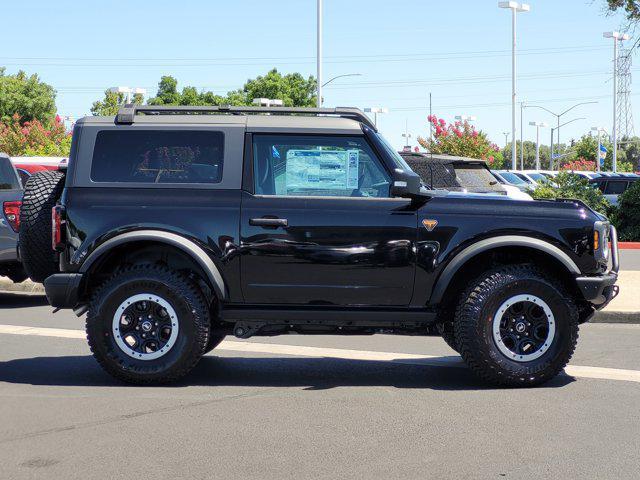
(461, 139)
(32, 138)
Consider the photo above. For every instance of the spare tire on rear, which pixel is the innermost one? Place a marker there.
(41, 193)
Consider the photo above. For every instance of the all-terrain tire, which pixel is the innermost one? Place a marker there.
(180, 293)
(41, 193)
(448, 335)
(474, 332)
(214, 341)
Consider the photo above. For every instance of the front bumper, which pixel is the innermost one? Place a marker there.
(600, 290)
(62, 289)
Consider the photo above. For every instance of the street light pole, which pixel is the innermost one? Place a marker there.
(521, 137)
(538, 125)
(617, 37)
(515, 7)
(376, 111)
(506, 138)
(319, 54)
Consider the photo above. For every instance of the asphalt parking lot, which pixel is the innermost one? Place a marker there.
(310, 407)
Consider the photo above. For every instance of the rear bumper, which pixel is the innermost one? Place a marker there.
(62, 289)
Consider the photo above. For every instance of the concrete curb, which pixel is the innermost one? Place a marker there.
(612, 316)
(28, 286)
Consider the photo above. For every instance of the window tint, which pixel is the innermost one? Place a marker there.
(615, 187)
(8, 177)
(601, 186)
(146, 156)
(317, 166)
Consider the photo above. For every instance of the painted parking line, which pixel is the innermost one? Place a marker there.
(579, 371)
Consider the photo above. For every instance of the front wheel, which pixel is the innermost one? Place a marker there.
(148, 324)
(514, 326)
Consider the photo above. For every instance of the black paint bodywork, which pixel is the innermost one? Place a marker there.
(334, 254)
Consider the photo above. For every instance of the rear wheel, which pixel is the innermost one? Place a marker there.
(148, 324)
(41, 192)
(514, 326)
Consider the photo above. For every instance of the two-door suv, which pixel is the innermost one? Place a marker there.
(175, 226)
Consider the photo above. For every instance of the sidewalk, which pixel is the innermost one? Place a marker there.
(625, 308)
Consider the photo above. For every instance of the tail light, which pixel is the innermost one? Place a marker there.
(12, 214)
(56, 227)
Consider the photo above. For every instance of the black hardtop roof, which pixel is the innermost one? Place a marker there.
(129, 114)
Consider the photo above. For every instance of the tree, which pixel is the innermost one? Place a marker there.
(459, 139)
(586, 148)
(631, 8)
(626, 216)
(27, 97)
(529, 155)
(33, 138)
(112, 102)
(293, 89)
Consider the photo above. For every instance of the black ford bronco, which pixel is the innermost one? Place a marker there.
(175, 226)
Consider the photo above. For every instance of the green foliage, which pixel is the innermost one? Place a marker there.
(529, 155)
(27, 97)
(631, 8)
(626, 216)
(293, 89)
(586, 149)
(111, 102)
(567, 185)
(32, 138)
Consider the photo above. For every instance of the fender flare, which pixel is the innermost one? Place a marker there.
(189, 247)
(489, 244)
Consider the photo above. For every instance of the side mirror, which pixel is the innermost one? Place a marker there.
(406, 184)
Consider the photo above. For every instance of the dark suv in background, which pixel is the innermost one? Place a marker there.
(176, 226)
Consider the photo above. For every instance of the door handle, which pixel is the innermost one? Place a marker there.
(268, 222)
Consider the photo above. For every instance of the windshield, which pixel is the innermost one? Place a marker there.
(538, 177)
(397, 158)
(511, 178)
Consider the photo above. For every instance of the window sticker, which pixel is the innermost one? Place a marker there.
(322, 169)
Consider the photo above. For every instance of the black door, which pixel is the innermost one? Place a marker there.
(320, 228)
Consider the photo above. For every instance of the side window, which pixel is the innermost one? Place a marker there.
(292, 165)
(615, 187)
(158, 156)
(601, 186)
(8, 177)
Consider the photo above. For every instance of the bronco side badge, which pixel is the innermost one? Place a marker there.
(429, 224)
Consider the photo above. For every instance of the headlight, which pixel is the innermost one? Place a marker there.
(601, 240)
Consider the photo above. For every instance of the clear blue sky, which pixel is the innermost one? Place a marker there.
(457, 50)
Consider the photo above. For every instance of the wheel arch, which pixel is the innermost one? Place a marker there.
(516, 246)
(142, 238)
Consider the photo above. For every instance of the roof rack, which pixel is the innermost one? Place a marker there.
(127, 114)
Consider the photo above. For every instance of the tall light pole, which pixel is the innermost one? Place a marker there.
(376, 111)
(617, 37)
(515, 7)
(551, 158)
(506, 138)
(538, 125)
(558, 116)
(406, 134)
(335, 78)
(319, 54)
